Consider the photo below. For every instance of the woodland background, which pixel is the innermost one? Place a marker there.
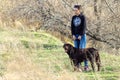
(54, 16)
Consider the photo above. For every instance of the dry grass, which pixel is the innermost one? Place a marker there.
(28, 55)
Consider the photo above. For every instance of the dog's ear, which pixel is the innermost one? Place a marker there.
(71, 49)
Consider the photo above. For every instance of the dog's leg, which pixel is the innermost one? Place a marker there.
(98, 62)
(74, 62)
(71, 61)
(98, 65)
(77, 66)
(92, 64)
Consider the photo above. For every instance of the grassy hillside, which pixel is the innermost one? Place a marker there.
(39, 56)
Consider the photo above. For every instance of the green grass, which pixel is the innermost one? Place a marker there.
(46, 51)
(59, 62)
(2, 64)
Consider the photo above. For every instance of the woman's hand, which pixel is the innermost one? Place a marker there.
(79, 37)
(74, 37)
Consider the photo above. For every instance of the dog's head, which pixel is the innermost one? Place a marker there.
(67, 47)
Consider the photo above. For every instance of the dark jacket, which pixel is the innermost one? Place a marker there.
(78, 25)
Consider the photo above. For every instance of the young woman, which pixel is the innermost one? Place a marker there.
(78, 27)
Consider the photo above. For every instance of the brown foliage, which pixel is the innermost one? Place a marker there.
(103, 17)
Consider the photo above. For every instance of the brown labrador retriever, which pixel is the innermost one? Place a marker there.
(79, 55)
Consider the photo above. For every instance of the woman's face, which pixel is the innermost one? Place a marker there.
(77, 11)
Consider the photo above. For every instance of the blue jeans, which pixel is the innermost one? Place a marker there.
(81, 44)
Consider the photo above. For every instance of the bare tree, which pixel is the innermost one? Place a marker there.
(103, 17)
